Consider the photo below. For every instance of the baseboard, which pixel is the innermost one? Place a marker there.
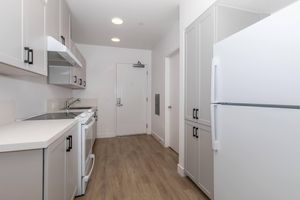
(180, 170)
(106, 135)
(158, 138)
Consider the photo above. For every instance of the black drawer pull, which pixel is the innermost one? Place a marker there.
(30, 60)
(26, 60)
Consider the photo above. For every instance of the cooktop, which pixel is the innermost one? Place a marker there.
(49, 116)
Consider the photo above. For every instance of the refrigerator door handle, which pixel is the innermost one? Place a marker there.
(215, 137)
(215, 64)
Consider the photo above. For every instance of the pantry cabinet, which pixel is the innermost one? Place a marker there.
(22, 42)
(217, 23)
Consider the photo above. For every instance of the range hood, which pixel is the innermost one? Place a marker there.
(60, 55)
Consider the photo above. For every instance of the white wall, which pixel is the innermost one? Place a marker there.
(167, 45)
(189, 11)
(101, 80)
(29, 94)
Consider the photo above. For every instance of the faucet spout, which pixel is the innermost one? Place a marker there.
(69, 102)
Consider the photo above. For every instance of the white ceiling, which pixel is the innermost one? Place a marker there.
(145, 21)
(265, 6)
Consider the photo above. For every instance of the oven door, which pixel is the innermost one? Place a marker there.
(88, 159)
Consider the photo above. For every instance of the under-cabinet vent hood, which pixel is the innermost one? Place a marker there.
(60, 55)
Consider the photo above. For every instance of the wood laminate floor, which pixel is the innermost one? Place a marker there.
(137, 168)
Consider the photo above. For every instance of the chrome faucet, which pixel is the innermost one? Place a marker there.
(69, 102)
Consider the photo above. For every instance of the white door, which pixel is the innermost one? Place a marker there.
(174, 102)
(131, 100)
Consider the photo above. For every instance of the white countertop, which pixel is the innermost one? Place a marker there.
(37, 134)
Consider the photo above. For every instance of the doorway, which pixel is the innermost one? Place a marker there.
(131, 100)
(172, 101)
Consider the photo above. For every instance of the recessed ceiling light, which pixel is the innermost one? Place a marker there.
(117, 21)
(115, 39)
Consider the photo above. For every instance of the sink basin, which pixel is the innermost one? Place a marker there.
(79, 108)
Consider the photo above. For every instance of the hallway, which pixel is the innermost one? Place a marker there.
(137, 168)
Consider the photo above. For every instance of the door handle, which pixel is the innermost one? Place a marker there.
(215, 135)
(215, 64)
(194, 113)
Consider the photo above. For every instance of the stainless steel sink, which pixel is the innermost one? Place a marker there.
(80, 108)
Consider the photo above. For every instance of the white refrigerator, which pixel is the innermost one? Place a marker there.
(256, 110)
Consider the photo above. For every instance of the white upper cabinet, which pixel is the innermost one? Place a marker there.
(35, 36)
(52, 19)
(11, 37)
(22, 41)
(64, 25)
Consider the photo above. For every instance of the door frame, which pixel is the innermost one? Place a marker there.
(148, 104)
(167, 97)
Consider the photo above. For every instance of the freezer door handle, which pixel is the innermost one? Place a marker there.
(215, 64)
(216, 145)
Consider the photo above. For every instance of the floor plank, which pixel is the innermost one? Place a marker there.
(137, 168)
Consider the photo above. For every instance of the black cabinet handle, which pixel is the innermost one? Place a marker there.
(75, 79)
(71, 142)
(26, 60)
(197, 134)
(30, 59)
(84, 83)
(194, 132)
(80, 81)
(63, 40)
(194, 113)
(68, 139)
(197, 111)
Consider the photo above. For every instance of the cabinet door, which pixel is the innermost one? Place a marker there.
(191, 72)
(64, 23)
(11, 40)
(206, 163)
(54, 172)
(206, 41)
(21, 175)
(191, 152)
(72, 163)
(34, 34)
(53, 19)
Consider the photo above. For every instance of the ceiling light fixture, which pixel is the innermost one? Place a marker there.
(117, 21)
(115, 39)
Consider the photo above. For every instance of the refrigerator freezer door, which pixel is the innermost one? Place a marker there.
(261, 64)
(259, 154)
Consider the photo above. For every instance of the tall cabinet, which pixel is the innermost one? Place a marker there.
(217, 23)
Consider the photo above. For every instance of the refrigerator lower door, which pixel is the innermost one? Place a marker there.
(260, 64)
(259, 153)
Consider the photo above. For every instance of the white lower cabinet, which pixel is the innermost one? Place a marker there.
(61, 167)
(199, 156)
(42, 174)
(54, 171)
(21, 175)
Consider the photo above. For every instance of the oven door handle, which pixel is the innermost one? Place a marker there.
(87, 177)
(90, 124)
